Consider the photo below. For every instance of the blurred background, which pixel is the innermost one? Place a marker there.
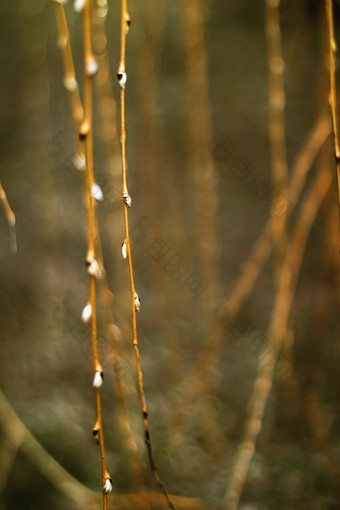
(211, 113)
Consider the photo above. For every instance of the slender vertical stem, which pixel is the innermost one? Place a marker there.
(276, 119)
(332, 99)
(10, 216)
(135, 302)
(201, 165)
(277, 331)
(250, 270)
(86, 133)
(277, 98)
(70, 81)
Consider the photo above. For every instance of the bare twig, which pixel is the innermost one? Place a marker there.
(277, 331)
(249, 273)
(202, 170)
(86, 133)
(70, 80)
(44, 462)
(277, 98)
(10, 216)
(135, 300)
(276, 121)
(332, 99)
(81, 496)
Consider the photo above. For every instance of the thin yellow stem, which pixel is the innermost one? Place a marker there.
(135, 302)
(10, 216)
(277, 331)
(332, 99)
(277, 98)
(86, 133)
(70, 81)
(250, 270)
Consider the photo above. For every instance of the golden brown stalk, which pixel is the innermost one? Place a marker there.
(135, 301)
(202, 170)
(10, 217)
(107, 114)
(70, 81)
(42, 460)
(277, 331)
(249, 273)
(313, 409)
(276, 118)
(112, 331)
(106, 294)
(80, 495)
(277, 98)
(332, 99)
(9, 449)
(86, 133)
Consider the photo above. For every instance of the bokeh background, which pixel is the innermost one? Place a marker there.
(199, 170)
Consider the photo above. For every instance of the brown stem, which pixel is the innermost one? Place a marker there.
(135, 302)
(332, 99)
(277, 331)
(86, 133)
(249, 273)
(10, 216)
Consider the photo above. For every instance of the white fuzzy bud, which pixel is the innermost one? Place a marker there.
(79, 5)
(108, 485)
(93, 269)
(97, 193)
(117, 332)
(62, 41)
(92, 67)
(70, 83)
(102, 12)
(137, 303)
(124, 250)
(79, 162)
(122, 78)
(86, 314)
(97, 380)
(127, 199)
(62, 2)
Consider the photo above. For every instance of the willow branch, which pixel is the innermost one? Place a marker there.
(135, 301)
(19, 434)
(315, 416)
(332, 98)
(64, 43)
(10, 217)
(277, 98)
(250, 271)
(277, 331)
(86, 133)
(80, 495)
(8, 452)
(70, 80)
(276, 118)
(202, 169)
